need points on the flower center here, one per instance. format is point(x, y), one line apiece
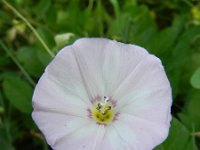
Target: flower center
point(102, 111)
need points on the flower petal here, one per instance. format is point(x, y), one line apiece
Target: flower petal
point(55, 126)
point(88, 138)
point(153, 106)
point(139, 133)
point(114, 141)
point(50, 97)
point(150, 96)
point(134, 133)
point(147, 75)
point(64, 70)
point(105, 64)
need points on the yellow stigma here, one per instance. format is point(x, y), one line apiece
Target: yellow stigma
point(102, 112)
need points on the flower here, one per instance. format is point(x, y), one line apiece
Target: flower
point(101, 94)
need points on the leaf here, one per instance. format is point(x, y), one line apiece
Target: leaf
point(186, 120)
point(134, 25)
point(1, 106)
point(51, 16)
point(6, 135)
point(42, 7)
point(43, 56)
point(195, 79)
point(191, 115)
point(164, 41)
point(174, 78)
point(75, 20)
point(19, 93)
point(47, 37)
point(4, 143)
point(179, 138)
point(29, 59)
point(4, 60)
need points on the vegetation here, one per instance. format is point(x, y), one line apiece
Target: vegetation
point(33, 31)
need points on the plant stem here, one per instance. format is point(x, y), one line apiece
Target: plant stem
point(196, 133)
point(31, 27)
point(8, 51)
point(188, 3)
point(90, 6)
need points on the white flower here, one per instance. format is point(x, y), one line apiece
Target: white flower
point(99, 94)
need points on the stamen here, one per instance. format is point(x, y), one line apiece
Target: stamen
point(99, 106)
point(102, 111)
point(106, 99)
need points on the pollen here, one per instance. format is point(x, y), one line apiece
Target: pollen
point(102, 112)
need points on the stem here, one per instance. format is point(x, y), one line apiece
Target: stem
point(31, 27)
point(8, 51)
point(196, 133)
point(188, 3)
point(7, 124)
point(117, 16)
point(90, 6)
point(100, 20)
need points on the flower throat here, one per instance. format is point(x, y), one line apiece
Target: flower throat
point(102, 112)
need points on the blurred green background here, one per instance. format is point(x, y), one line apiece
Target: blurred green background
point(169, 29)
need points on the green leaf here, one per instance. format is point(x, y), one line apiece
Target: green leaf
point(186, 120)
point(4, 60)
point(75, 20)
point(44, 57)
point(8, 132)
point(191, 115)
point(134, 25)
point(51, 16)
point(29, 59)
point(47, 37)
point(182, 51)
point(42, 7)
point(179, 138)
point(4, 142)
point(195, 80)
point(174, 77)
point(1, 107)
point(19, 93)
point(164, 41)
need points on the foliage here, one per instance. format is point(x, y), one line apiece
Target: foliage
point(169, 29)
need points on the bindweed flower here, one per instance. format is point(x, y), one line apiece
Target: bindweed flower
point(99, 94)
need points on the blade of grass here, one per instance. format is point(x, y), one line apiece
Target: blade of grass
point(31, 27)
point(9, 52)
point(100, 19)
point(188, 3)
point(90, 6)
point(116, 7)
